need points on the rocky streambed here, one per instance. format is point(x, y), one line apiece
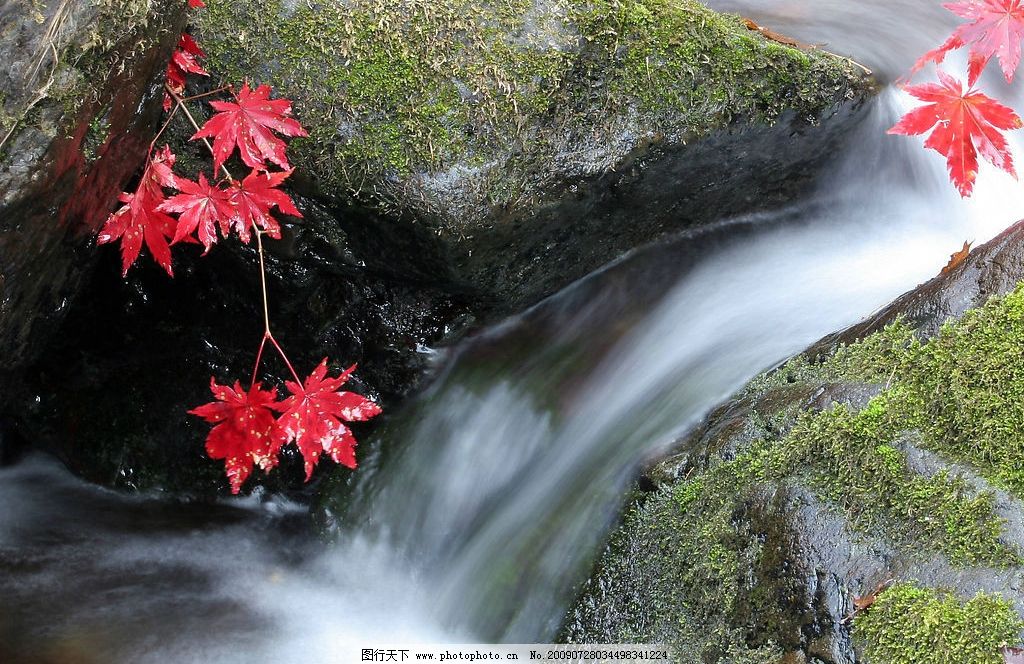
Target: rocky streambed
point(469, 162)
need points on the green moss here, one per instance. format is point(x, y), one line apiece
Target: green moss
point(891, 459)
point(119, 19)
point(961, 392)
point(395, 75)
point(874, 359)
point(95, 137)
point(700, 551)
point(687, 493)
point(912, 625)
point(855, 467)
point(852, 458)
point(965, 391)
point(388, 89)
point(689, 582)
point(698, 564)
point(673, 55)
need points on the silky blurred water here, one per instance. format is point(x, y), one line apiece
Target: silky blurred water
point(485, 499)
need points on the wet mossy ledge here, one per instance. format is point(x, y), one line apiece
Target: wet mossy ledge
point(409, 78)
point(519, 144)
point(895, 457)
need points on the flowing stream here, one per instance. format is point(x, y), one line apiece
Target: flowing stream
point(485, 501)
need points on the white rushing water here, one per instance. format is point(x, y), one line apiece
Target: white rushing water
point(490, 494)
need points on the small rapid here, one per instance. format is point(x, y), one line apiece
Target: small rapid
point(481, 505)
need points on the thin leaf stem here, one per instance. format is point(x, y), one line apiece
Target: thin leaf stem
point(263, 283)
point(256, 367)
point(181, 104)
point(207, 94)
point(160, 133)
point(267, 334)
point(287, 362)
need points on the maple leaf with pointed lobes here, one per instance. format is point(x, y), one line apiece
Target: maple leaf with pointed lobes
point(314, 415)
point(139, 221)
point(957, 258)
point(201, 206)
point(247, 124)
point(246, 432)
point(184, 61)
point(253, 199)
point(996, 28)
point(962, 125)
point(161, 174)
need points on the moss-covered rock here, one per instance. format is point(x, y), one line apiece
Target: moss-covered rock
point(895, 455)
point(912, 625)
point(79, 101)
point(513, 146)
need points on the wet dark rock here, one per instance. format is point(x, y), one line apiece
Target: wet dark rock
point(79, 102)
point(991, 269)
point(11, 444)
point(783, 560)
point(111, 395)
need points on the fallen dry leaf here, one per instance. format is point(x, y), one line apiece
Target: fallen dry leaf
point(957, 258)
point(865, 602)
point(775, 36)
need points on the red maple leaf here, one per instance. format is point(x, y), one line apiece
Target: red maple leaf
point(196, 3)
point(201, 206)
point(184, 61)
point(139, 220)
point(135, 222)
point(160, 171)
point(996, 28)
point(246, 431)
point(965, 123)
point(247, 125)
point(313, 417)
point(253, 199)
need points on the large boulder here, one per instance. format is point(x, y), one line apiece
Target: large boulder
point(79, 103)
point(509, 148)
point(464, 158)
point(110, 397)
point(884, 464)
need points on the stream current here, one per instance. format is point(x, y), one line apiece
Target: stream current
point(485, 500)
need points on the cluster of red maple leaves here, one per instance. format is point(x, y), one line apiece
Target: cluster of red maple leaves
point(963, 122)
point(247, 432)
